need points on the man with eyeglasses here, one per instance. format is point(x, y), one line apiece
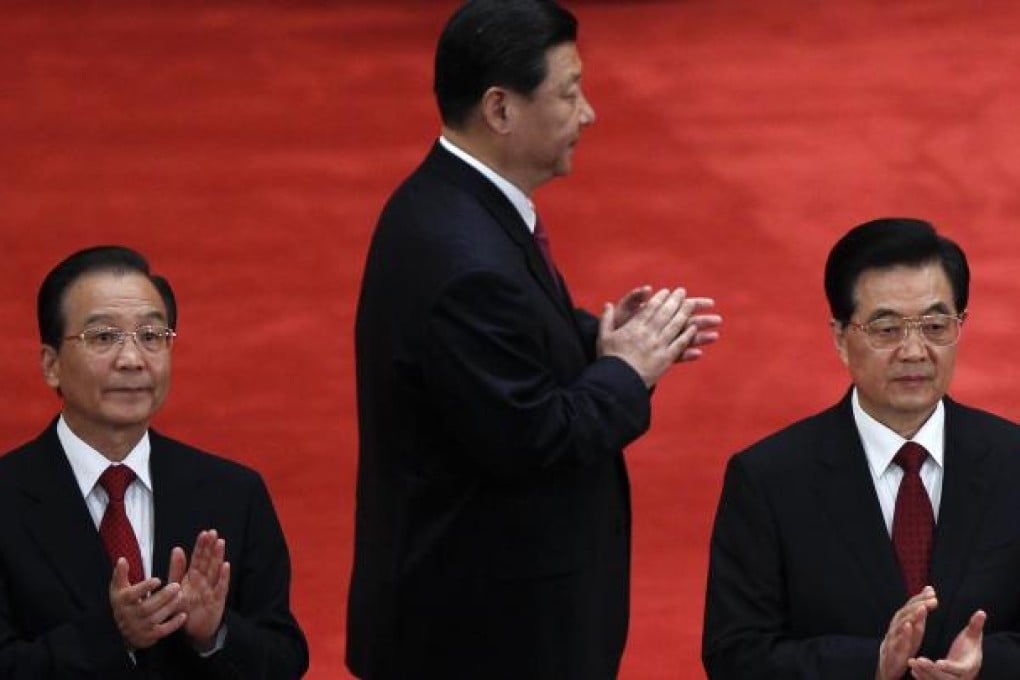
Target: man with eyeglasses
point(95, 580)
point(879, 538)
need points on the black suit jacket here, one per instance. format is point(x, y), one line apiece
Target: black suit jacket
point(55, 615)
point(492, 536)
point(803, 580)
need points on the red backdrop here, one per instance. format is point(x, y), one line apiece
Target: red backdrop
point(247, 148)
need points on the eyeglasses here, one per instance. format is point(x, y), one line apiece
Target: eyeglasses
point(889, 332)
point(152, 339)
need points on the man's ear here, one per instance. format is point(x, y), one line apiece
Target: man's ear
point(839, 330)
point(50, 363)
point(496, 110)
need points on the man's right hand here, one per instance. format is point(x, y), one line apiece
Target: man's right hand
point(663, 330)
point(144, 612)
point(903, 638)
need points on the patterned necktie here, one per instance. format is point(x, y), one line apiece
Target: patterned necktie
point(542, 239)
point(913, 521)
point(115, 529)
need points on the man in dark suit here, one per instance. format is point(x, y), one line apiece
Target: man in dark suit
point(493, 517)
point(94, 580)
point(880, 537)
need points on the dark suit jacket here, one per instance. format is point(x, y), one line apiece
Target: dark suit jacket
point(803, 580)
point(55, 616)
point(492, 536)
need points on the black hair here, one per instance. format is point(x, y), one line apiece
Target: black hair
point(885, 243)
point(114, 259)
point(496, 43)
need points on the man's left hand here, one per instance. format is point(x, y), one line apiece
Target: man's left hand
point(204, 584)
point(963, 662)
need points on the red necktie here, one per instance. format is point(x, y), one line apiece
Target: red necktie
point(913, 521)
point(115, 529)
point(542, 239)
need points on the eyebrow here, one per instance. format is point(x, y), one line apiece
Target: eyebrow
point(883, 312)
point(154, 315)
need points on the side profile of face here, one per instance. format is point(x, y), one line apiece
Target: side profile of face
point(109, 397)
point(546, 125)
point(899, 387)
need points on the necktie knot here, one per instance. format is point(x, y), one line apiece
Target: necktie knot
point(911, 457)
point(115, 480)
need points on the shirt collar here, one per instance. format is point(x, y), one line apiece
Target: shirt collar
point(88, 464)
point(517, 198)
point(881, 443)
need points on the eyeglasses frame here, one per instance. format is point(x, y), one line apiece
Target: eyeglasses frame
point(122, 336)
point(912, 323)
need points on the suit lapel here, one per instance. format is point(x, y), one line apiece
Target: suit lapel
point(505, 215)
point(965, 492)
point(58, 521)
point(846, 491)
point(174, 501)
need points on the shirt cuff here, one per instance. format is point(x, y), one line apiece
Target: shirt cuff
point(221, 639)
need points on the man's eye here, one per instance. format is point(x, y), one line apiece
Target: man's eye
point(886, 329)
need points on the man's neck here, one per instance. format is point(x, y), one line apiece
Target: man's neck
point(482, 148)
point(113, 443)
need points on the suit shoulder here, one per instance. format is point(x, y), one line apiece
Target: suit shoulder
point(16, 458)
point(203, 462)
point(973, 421)
point(792, 444)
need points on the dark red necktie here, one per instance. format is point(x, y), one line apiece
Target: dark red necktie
point(115, 529)
point(542, 239)
point(913, 521)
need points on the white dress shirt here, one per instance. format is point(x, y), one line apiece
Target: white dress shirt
point(88, 464)
point(880, 447)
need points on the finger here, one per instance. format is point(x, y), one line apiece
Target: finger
point(653, 305)
point(672, 317)
point(702, 303)
point(606, 321)
point(950, 669)
point(169, 626)
point(222, 584)
point(690, 354)
point(706, 338)
point(219, 552)
point(681, 343)
point(671, 322)
point(925, 595)
point(119, 579)
point(136, 593)
point(161, 604)
point(635, 298)
point(976, 625)
point(214, 568)
point(924, 669)
point(202, 552)
point(674, 311)
point(178, 565)
point(909, 640)
point(705, 321)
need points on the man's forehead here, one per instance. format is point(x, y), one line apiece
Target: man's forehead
point(564, 61)
point(100, 292)
point(919, 287)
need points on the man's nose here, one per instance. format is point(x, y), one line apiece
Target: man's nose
point(128, 351)
point(913, 345)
